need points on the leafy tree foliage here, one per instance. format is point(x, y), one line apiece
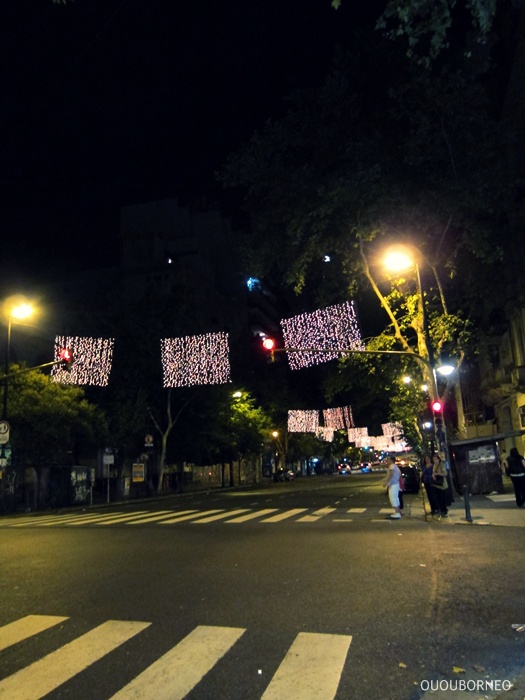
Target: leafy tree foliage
point(382, 153)
point(426, 25)
point(51, 424)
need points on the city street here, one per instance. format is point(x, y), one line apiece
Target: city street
point(293, 591)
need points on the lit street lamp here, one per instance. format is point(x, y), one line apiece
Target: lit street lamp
point(398, 259)
point(15, 313)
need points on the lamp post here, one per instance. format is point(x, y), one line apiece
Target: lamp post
point(14, 312)
point(17, 313)
point(401, 258)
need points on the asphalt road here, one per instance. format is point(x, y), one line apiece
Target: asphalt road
point(319, 595)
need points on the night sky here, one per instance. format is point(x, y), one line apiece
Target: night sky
point(110, 102)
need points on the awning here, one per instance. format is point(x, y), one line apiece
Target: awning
point(488, 438)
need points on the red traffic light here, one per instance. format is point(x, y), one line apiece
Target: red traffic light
point(268, 343)
point(66, 357)
point(437, 406)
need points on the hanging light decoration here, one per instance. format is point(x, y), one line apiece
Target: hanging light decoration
point(326, 434)
point(195, 359)
point(392, 429)
point(338, 418)
point(332, 328)
point(303, 421)
point(90, 360)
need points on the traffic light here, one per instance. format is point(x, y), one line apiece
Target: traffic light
point(66, 359)
point(437, 406)
point(269, 345)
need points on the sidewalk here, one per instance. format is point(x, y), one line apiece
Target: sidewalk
point(487, 509)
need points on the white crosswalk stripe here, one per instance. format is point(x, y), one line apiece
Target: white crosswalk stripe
point(316, 516)
point(26, 627)
point(233, 516)
point(179, 671)
point(43, 676)
point(311, 668)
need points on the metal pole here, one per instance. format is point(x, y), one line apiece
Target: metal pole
point(6, 379)
point(466, 497)
point(439, 421)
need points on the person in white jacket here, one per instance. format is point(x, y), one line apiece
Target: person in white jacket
point(392, 483)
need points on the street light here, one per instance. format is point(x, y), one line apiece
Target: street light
point(398, 259)
point(17, 312)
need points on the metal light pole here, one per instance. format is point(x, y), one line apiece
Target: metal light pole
point(6, 380)
point(400, 259)
point(18, 312)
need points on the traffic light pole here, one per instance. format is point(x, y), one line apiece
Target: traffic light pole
point(351, 351)
point(30, 369)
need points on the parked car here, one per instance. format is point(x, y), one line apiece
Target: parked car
point(411, 476)
point(285, 475)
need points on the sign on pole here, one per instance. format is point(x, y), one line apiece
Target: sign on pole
point(4, 432)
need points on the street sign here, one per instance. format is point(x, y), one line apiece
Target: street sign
point(109, 459)
point(138, 473)
point(148, 441)
point(4, 432)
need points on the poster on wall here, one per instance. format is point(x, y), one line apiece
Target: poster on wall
point(138, 473)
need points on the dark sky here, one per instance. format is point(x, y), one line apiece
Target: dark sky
point(107, 102)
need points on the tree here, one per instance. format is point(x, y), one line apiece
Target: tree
point(426, 25)
point(339, 176)
point(51, 424)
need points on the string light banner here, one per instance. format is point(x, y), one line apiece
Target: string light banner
point(195, 359)
point(338, 418)
point(392, 429)
point(355, 434)
point(303, 421)
point(91, 364)
point(332, 328)
point(326, 434)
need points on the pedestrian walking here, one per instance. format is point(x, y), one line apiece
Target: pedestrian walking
point(392, 483)
point(516, 470)
point(439, 481)
point(428, 483)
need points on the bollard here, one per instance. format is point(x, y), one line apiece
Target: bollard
point(466, 498)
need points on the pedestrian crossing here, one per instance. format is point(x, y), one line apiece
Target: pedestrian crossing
point(311, 668)
point(234, 516)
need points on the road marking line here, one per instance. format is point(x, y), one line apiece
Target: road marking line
point(356, 510)
point(176, 673)
point(311, 669)
point(316, 515)
point(73, 520)
point(93, 518)
point(283, 516)
point(342, 520)
point(160, 515)
point(41, 520)
point(45, 675)
point(387, 510)
point(26, 627)
point(252, 516)
point(122, 516)
point(195, 514)
point(16, 522)
point(220, 516)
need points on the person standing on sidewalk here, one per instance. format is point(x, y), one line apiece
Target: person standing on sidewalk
point(392, 483)
point(516, 470)
point(439, 483)
point(426, 475)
